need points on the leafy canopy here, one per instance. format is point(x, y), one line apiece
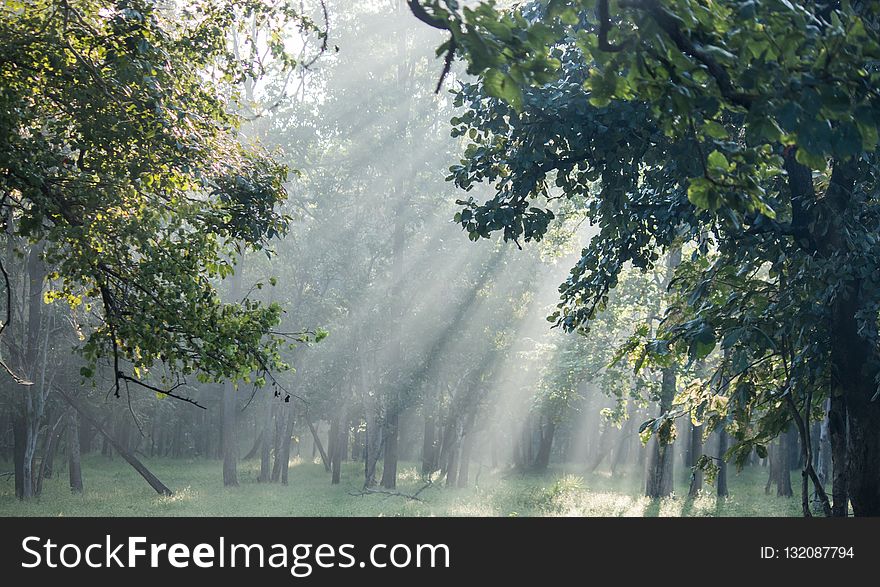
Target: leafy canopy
point(120, 157)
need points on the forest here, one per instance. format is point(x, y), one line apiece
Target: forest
point(439, 258)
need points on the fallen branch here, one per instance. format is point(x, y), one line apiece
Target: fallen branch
point(409, 496)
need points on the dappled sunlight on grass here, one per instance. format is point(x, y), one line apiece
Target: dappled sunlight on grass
point(112, 488)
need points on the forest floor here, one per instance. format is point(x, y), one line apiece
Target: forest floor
point(112, 488)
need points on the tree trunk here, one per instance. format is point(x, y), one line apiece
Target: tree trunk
point(429, 449)
point(823, 461)
point(392, 435)
point(464, 459)
point(265, 445)
point(722, 464)
point(339, 445)
point(837, 425)
point(229, 436)
point(74, 467)
point(30, 399)
point(48, 464)
point(285, 445)
point(601, 447)
point(545, 446)
point(863, 455)
point(771, 470)
point(695, 451)
point(783, 466)
point(659, 483)
point(22, 473)
point(372, 446)
point(53, 435)
point(452, 465)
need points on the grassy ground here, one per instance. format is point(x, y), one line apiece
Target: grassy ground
point(114, 489)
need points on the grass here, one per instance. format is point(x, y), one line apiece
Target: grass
point(112, 488)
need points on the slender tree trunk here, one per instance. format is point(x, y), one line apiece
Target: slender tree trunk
point(53, 435)
point(660, 467)
point(695, 452)
point(545, 446)
point(771, 472)
point(429, 448)
point(660, 471)
point(783, 466)
point(265, 444)
point(48, 463)
point(721, 479)
point(74, 467)
point(23, 489)
point(285, 445)
point(229, 436)
point(465, 459)
point(339, 445)
point(452, 465)
point(392, 435)
point(823, 462)
point(601, 448)
point(30, 404)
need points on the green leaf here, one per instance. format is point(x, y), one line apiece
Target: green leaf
point(714, 130)
point(718, 162)
point(502, 86)
point(701, 193)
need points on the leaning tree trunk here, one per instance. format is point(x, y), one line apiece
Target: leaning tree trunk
point(74, 467)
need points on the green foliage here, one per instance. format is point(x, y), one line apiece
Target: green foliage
point(754, 145)
point(120, 155)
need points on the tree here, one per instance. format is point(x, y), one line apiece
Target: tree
point(761, 136)
point(124, 183)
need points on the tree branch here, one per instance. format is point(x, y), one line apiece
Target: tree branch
point(669, 25)
point(170, 393)
point(438, 23)
point(604, 27)
point(411, 497)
